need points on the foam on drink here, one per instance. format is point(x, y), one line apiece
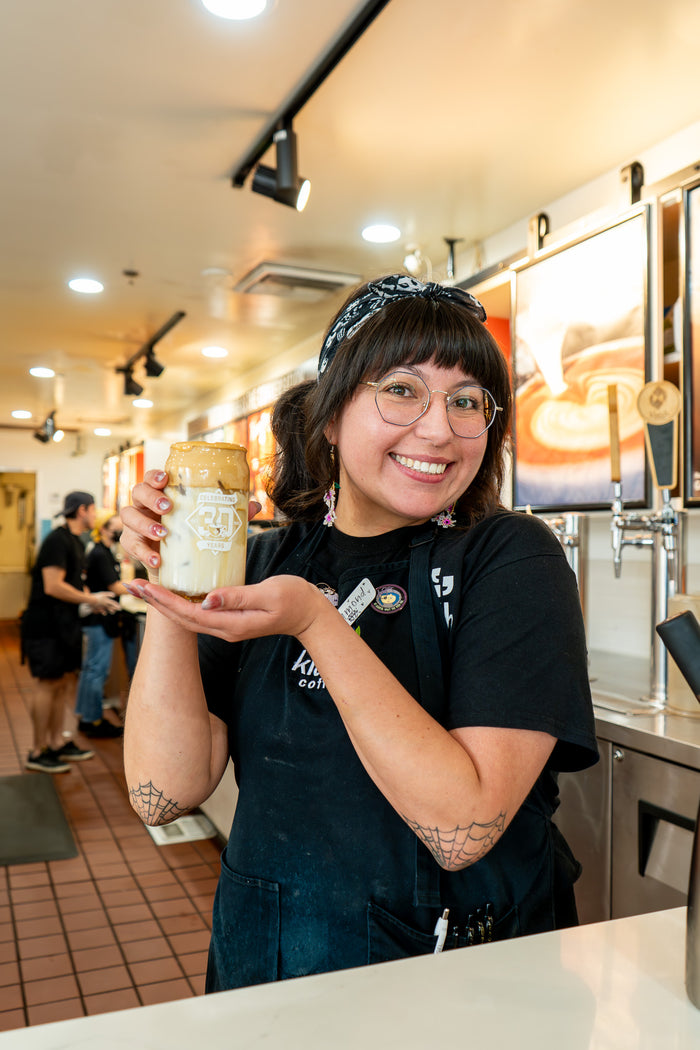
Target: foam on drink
point(208, 485)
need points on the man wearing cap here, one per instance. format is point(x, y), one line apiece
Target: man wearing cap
point(51, 633)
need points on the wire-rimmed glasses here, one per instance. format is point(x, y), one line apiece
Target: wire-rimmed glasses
point(402, 397)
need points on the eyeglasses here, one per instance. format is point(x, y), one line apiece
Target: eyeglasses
point(403, 397)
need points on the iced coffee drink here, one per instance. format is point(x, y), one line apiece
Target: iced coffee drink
point(206, 543)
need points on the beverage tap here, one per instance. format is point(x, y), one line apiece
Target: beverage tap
point(662, 530)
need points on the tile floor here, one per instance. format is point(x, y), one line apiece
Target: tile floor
point(126, 922)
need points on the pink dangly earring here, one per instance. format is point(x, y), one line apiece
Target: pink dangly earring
point(329, 500)
point(444, 518)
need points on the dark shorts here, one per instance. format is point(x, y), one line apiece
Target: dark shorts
point(52, 657)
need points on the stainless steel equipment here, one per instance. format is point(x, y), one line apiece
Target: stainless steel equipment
point(572, 532)
point(662, 530)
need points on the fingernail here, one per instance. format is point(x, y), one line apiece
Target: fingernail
point(158, 530)
point(161, 475)
point(154, 560)
point(136, 589)
point(212, 601)
point(163, 504)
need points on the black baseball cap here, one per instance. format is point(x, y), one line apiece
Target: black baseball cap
point(74, 500)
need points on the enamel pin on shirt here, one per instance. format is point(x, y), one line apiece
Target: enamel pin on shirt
point(390, 598)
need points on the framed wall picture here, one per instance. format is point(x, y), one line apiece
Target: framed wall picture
point(581, 324)
point(691, 345)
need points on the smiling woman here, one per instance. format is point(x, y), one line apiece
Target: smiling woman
point(397, 681)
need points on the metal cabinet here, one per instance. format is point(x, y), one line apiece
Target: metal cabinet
point(630, 821)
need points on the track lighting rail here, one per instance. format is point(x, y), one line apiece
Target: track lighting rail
point(283, 119)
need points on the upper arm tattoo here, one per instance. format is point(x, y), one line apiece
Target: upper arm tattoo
point(152, 805)
point(461, 846)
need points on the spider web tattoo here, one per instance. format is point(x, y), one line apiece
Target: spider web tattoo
point(152, 806)
point(462, 845)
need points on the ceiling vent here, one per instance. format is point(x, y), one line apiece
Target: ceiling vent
point(294, 282)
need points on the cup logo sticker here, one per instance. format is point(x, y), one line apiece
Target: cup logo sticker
point(214, 521)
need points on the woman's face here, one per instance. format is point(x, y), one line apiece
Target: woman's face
point(391, 476)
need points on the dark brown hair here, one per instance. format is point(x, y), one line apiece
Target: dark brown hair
point(408, 331)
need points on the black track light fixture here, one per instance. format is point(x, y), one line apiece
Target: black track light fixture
point(131, 387)
point(153, 368)
point(47, 430)
point(283, 183)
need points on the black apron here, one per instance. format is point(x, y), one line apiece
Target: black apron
point(276, 917)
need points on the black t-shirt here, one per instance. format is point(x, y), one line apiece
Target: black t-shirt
point(311, 826)
point(102, 570)
point(47, 617)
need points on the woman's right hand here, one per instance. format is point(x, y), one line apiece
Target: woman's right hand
point(141, 520)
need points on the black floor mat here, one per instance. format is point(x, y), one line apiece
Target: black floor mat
point(33, 826)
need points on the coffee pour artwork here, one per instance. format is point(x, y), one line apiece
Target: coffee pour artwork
point(579, 328)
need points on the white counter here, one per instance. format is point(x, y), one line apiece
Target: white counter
point(614, 985)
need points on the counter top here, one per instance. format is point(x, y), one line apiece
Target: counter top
point(618, 684)
point(609, 985)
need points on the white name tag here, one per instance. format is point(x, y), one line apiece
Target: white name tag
point(356, 603)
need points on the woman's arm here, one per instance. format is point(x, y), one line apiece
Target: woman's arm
point(56, 586)
point(175, 752)
point(457, 790)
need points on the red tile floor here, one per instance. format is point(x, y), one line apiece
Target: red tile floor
point(126, 922)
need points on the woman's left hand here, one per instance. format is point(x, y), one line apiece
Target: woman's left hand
point(278, 605)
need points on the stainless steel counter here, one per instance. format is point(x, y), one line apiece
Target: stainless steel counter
point(618, 685)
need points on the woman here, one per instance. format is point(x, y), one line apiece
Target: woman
point(103, 574)
point(398, 681)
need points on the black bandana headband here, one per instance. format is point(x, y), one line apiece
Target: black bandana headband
point(377, 295)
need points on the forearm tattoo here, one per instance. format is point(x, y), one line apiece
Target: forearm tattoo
point(461, 846)
point(152, 805)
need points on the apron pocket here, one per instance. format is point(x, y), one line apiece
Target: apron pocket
point(244, 948)
point(389, 939)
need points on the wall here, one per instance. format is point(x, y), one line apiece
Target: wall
point(57, 472)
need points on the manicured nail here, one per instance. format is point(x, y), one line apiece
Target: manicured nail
point(154, 560)
point(161, 475)
point(212, 601)
point(136, 589)
point(158, 530)
point(163, 504)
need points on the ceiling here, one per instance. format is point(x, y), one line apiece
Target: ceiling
point(123, 121)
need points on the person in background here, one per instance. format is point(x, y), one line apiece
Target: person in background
point(102, 574)
point(52, 637)
point(399, 680)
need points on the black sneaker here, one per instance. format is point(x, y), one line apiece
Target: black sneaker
point(102, 729)
point(46, 762)
point(70, 752)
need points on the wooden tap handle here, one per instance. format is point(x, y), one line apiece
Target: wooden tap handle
point(614, 433)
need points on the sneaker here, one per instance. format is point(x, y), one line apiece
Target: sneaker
point(46, 762)
point(102, 729)
point(70, 752)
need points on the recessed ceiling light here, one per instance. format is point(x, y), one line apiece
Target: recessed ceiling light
point(239, 9)
point(102, 432)
point(142, 402)
point(86, 285)
point(381, 233)
point(42, 373)
point(214, 351)
point(21, 413)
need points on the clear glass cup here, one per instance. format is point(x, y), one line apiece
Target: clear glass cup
point(208, 484)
